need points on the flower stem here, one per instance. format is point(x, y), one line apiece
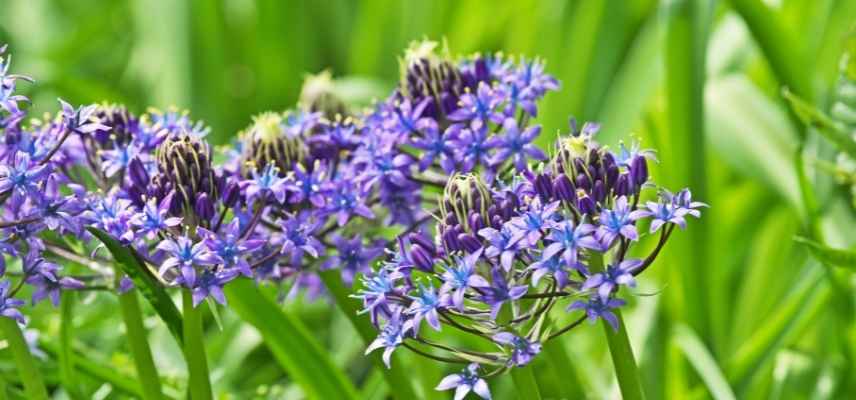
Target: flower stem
point(620, 350)
point(199, 384)
point(34, 386)
point(136, 334)
point(525, 383)
point(66, 363)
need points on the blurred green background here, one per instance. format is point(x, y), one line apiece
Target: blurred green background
point(733, 308)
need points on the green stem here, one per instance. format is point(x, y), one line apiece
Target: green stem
point(66, 363)
point(199, 384)
point(34, 386)
point(136, 334)
point(620, 350)
point(525, 383)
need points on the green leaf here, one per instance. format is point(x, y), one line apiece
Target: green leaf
point(34, 385)
point(66, 362)
point(704, 363)
point(291, 343)
point(145, 281)
point(812, 116)
point(839, 257)
point(525, 383)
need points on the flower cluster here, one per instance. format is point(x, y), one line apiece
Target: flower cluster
point(505, 254)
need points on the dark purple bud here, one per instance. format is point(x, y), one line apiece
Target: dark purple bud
point(579, 165)
point(598, 192)
point(564, 189)
point(204, 208)
point(594, 157)
point(496, 222)
point(138, 173)
point(231, 193)
point(420, 257)
point(622, 185)
point(450, 239)
point(583, 182)
point(424, 241)
point(476, 222)
point(639, 170)
point(611, 174)
point(544, 187)
point(469, 242)
point(586, 205)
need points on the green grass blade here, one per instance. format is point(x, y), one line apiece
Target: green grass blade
point(199, 379)
point(704, 363)
point(34, 385)
point(812, 116)
point(145, 281)
point(291, 343)
point(841, 258)
point(138, 342)
point(525, 383)
point(395, 377)
point(66, 362)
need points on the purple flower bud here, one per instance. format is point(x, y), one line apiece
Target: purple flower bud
point(639, 170)
point(421, 258)
point(424, 241)
point(543, 187)
point(586, 205)
point(564, 189)
point(450, 239)
point(579, 165)
point(203, 208)
point(469, 242)
point(231, 193)
point(476, 222)
point(583, 182)
point(622, 185)
point(598, 192)
point(138, 173)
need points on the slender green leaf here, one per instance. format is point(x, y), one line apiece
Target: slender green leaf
point(812, 116)
point(704, 363)
point(66, 362)
point(138, 342)
point(144, 280)
point(199, 379)
point(525, 383)
point(839, 257)
point(291, 343)
point(34, 385)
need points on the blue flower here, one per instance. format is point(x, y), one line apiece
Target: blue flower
point(345, 201)
point(50, 288)
point(522, 350)
point(81, 120)
point(299, 122)
point(464, 382)
point(498, 292)
point(230, 248)
point(615, 275)
point(459, 277)
point(375, 289)
point(502, 245)
point(619, 221)
point(480, 107)
point(118, 159)
point(9, 305)
point(264, 183)
point(389, 338)
point(308, 185)
point(436, 144)
point(568, 239)
point(517, 145)
point(551, 265)
point(153, 218)
point(597, 307)
point(531, 225)
point(23, 176)
point(298, 239)
point(425, 305)
point(405, 117)
point(211, 283)
point(186, 256)
point(473, 146)
point(352, 257)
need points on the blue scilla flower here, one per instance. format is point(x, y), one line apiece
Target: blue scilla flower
point(376, 287)
point(186, 256)
point(465, 382)
point(112, 215)
point(389, 338)
point(82, 119)
point(231, 247)
point(153, 219)
point(522, 349)
point(501, 245)
point(473, 145)
point(23, 176)
point(308, 185)
point(298, 122)
point(553, 265)
point(346, 200)
point(614, 276)
point(298, 239)
point(265, 183)
point(529, 227)
point(460, 276)
point(404, 117)
point(352, 256)
point(480, 107)
point(597, 308)
point(569, 239)
point(517, 145)
point(9, 305)
point(619, 221)
point(425, 305)
point(499, 292)
point(436, 145)
point(117, 159)
point(210, 284)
